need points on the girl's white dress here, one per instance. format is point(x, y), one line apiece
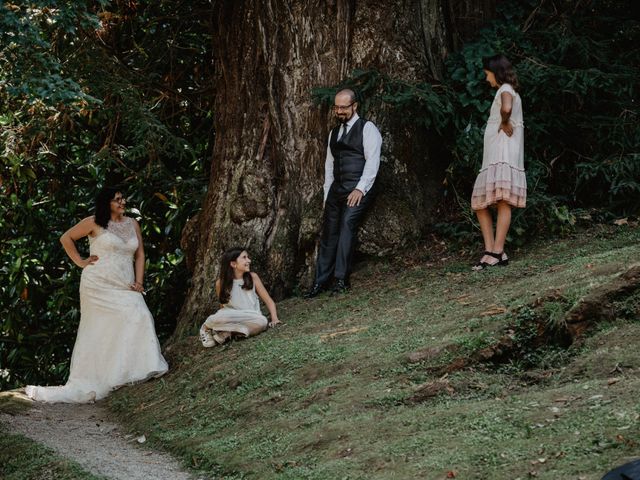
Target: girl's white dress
point(116, 342)
point(240, 315)
point(502, 176)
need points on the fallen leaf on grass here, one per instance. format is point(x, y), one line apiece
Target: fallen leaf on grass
point(617, 368)
point(555, 268)
point(621, 221)
point(567, 399)
point(626, 441)
point(493, 310)
point(612, 381)
point(144, 406)
point(345, 453)
point(342, 332)
point(432, 389)
point(461, 299)
point(279, 467)
point(452, 474)
point(424, 354)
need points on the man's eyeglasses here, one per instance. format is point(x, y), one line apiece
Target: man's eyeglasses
point(339, 108)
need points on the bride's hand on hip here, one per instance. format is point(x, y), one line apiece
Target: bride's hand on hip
point(137, 287)
point(90, 260)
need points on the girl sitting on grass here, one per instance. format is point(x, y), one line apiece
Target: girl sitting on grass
point(238, 290)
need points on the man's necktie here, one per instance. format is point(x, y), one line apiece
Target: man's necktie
point(344, 132)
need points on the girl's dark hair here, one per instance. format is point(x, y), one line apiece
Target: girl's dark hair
point(103, 205)
point(501, 67)
point(227, 275)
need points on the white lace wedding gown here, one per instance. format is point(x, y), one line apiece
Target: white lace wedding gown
point(116, 342)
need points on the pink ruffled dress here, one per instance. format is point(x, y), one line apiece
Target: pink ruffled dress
point(502, 176)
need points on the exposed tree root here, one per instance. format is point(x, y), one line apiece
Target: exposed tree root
point(532, 330)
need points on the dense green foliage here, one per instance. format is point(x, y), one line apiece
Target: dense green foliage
point(88, 98)
point(579, 69)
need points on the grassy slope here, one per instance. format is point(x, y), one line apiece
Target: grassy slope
point(300, 403)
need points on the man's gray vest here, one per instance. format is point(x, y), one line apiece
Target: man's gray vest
point(348, 155)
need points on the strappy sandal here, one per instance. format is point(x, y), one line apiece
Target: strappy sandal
point(498, 256)
point(481, 265)
point(502, 261)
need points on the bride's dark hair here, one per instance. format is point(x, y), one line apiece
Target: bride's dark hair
point(103, 205)
point(227, 275)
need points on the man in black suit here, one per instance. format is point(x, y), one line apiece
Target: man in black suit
point(353, 158)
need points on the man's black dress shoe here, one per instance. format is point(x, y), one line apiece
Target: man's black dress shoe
point(313, 291)
point(339, 287)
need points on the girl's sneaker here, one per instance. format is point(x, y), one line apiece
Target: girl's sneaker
point(206, 337)
point(221, 338)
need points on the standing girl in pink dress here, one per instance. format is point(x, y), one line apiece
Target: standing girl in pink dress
point(501, 182)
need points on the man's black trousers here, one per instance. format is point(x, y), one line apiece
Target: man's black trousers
point(339, 229)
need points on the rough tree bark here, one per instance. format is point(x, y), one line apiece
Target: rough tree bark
point(265, 189)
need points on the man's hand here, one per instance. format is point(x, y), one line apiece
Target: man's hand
point(354, 198)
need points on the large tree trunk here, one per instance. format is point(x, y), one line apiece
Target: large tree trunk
point(265, 189)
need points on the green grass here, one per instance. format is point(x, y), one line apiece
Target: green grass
point(24, 459)
point(328, 396)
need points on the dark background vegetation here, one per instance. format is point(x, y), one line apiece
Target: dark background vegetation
point(97, 93)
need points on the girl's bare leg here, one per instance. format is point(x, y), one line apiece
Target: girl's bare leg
point(502, 226)
point(486, 227)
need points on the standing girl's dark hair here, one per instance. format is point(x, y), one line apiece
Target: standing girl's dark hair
point(227, 275)
point(103, 205)
point(501, 67)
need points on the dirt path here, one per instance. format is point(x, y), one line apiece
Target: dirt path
point(84, 434)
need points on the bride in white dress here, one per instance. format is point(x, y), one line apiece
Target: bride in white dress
point(116, 342)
